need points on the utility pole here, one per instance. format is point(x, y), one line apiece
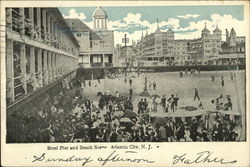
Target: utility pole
point(125, 40)
point(125, 44)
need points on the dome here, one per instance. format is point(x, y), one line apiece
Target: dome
point(170, 31)
point(217, 29)
point(100, 13)
point(205, 30)
point(158, 31)
point(232, 31)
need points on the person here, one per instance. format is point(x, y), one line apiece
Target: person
point(222, 82)
point(154, 105)
point(110, 107)
point(130, 82)
point(163, 102)
point(150, 85)
point(113, 136)
point(117, 94)
point(196, 94)
point(84, 84)
point(140, 106)
point(162, 132)
point(130, 93)
point(154, 85)
point(172, 102)
point(231, 75)
point(176, 98)
point(88, 104)
point(212, 78)
point(145, 105)
point(89, 83)
point(200, 105)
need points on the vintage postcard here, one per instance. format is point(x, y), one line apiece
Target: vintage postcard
point(125, 83)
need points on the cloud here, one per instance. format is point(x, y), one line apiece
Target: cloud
point(75, 15)
point(132, 18)
point(187, 16)
point(132, 24)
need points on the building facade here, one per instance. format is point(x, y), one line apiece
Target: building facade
point(96, 45)
point(40, 49)
point(232, 50)
point(161, 48)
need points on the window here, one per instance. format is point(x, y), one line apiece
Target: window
point(78, 34)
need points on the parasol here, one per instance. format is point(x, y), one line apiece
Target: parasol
point(124, 119)
point(155, 95)
point(130, 114)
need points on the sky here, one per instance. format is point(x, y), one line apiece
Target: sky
point(187, 22)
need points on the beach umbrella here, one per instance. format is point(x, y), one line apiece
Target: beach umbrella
point(155, 95)
point(119, 113)
point(189, 108)
point(145, 94)
point(130, 114)
point(124, 119)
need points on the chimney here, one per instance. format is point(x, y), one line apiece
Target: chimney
point(227, 37)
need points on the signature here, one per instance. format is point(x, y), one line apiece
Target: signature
point(201, 157)
point(113, 157)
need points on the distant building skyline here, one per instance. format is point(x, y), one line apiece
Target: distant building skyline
point(186, 22)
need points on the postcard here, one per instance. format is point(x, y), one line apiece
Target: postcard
point(125, 83)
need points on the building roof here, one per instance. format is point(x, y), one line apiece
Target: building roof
point(169, 31)
point(232, 31)
point(64, 25)
point(77, 25)
point(158, 31)
point(205, 29)
point(217, 29)
point(100, 13)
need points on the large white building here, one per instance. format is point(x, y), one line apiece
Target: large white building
point(97, 44)
point(40, 50)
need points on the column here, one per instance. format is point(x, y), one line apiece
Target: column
point(94, 22)
point(39, 22)
point(49, 66)
point(32, 67)
point(45, 56)
point(48, 26)
point(23, 67)
point(44, 23)
point(55, 65)
point(97, 23)
point(103, 23)
point(9, 18)
point(9, 71)
point(56, 33)
point(31, 14)
point(40, 74)
point(103, 62)
point(52, 66)
point(22, 17)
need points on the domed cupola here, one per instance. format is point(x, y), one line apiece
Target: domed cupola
point(100, 18)
point(205, 32)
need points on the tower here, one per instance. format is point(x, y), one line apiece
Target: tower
point(217, 32)
point(232, 38)
point(100, 19)
point(205, 32)
point(170, 34)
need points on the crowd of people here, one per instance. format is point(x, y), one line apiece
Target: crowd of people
point(66, 115)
